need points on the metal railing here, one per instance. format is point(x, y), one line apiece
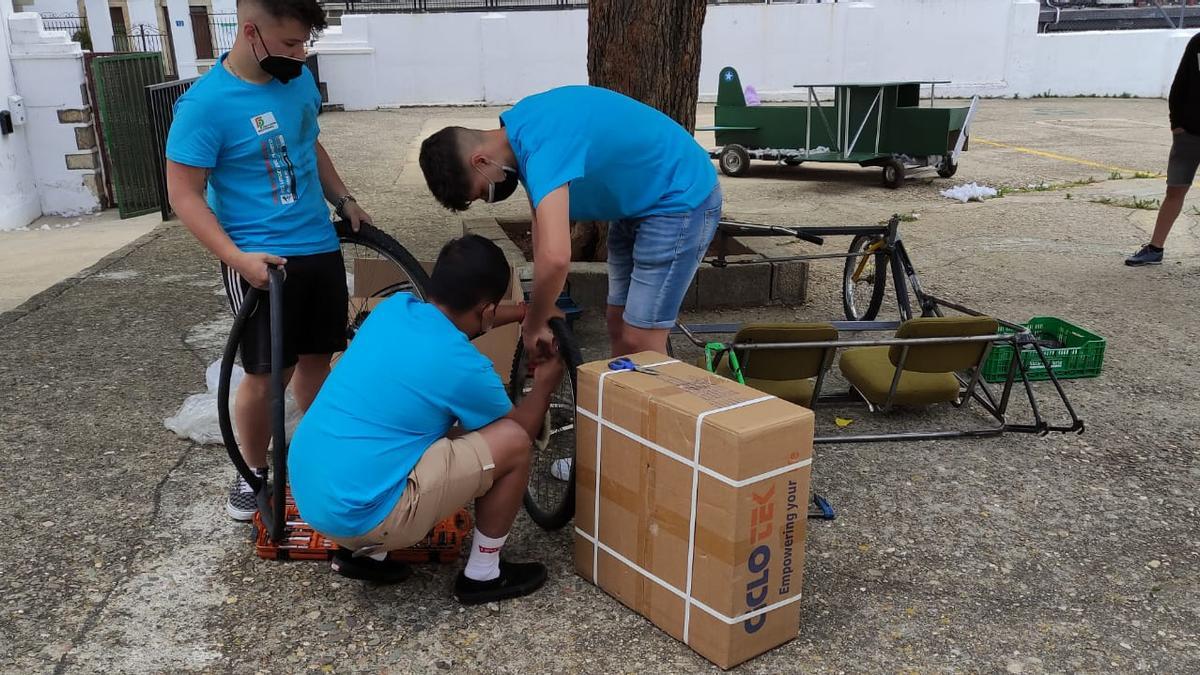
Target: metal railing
point(160, 104)
point(71, 23)
point(223, 29)
point(143, 38)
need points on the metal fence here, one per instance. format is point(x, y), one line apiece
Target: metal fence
point(143, 38)
point(160, 104)
point(71, 23)
point(119, 83)
point(223, 29)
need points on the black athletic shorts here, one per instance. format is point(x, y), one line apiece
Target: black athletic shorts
point(315, 302)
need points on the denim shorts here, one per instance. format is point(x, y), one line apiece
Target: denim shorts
point(652, 260)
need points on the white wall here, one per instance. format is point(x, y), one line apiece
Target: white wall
point(1140, 62)
point(987, 47)
point(775, 47)
point(19, 204)
point(48, 71)
point(100, 26)
point(54, 7)
point(468, 57)
point(142, 13)
point(183, 39)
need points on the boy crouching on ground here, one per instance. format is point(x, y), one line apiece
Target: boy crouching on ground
point(375, 464)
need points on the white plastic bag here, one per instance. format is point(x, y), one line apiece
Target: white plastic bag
point(969, 192)
point(197, 417)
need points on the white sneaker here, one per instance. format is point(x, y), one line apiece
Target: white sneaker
point(561, 469)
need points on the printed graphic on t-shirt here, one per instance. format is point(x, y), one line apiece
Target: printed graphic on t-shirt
point(264, 123)
point(279, 169)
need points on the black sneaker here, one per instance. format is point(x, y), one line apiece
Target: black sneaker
point(515, 580)
point(242, 504)
point(1145, 256)
point(368, 569)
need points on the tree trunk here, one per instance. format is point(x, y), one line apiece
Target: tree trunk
point(648, 50)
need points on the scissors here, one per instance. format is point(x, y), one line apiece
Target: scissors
point(624, 363)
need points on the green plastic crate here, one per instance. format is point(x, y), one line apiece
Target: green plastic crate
point(1082, 353)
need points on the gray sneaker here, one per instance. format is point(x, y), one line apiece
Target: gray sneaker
point(1145, 256)
point(242, 504)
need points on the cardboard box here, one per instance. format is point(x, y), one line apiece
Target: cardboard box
point(705, 539)
point(498, 344)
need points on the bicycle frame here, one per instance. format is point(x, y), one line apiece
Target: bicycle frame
point(904, 274)
point(996, 404)
point(907, 287)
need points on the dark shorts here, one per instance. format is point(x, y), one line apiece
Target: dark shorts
point(1184, 159)
point(315, 302)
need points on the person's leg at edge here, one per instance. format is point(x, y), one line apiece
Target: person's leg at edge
point(1181, 171)
point(1168, 213)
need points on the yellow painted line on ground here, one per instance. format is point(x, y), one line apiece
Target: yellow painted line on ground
point(1055, 155)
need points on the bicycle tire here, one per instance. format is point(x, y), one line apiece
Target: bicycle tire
point(551, 509)
point(371, 238)
point(879, 283)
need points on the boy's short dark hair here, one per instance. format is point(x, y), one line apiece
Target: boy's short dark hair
point(307, 12)
point(441, 162)
point(469, 270)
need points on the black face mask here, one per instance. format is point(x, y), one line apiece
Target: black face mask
point(484, 326)
point(282, 68)
point(498, 192)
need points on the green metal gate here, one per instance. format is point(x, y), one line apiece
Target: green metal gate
point(119, 83)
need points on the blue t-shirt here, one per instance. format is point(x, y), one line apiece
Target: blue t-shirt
point(622, 158)
point(407, 376)
point(259, 143)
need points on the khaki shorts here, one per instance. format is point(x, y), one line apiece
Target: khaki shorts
point(450, 474)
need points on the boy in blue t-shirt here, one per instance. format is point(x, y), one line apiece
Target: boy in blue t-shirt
point(248, 177)
point(586, 153)
point(375, 464)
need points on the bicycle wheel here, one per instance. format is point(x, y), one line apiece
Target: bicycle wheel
point(383, 268)
point(862, 291)
point(550, 499)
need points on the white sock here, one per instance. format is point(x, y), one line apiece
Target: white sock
point(378, 556)
point(484, 563)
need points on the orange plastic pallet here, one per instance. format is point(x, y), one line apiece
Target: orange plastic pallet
point(301, 542)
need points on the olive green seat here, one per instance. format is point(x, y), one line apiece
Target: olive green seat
point(790, 374)
point(926, 371)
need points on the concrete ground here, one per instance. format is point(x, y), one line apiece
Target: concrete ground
point(1013, 554)
point(51, 249)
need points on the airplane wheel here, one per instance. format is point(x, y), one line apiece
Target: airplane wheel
point(893, 173)
point(948, 168)
point(735, 161)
